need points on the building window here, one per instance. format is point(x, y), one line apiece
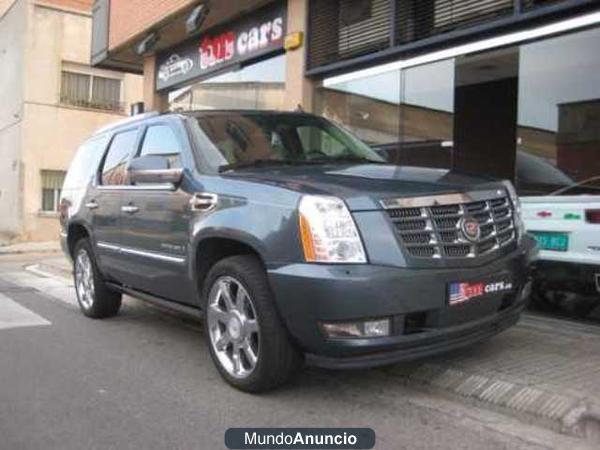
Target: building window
point(52, 182)
point(91, 91)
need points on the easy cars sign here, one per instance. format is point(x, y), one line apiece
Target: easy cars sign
point(247, 39)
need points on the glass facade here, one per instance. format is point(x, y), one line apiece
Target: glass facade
point(257, 86)
point(530, 113)
point(559, 114)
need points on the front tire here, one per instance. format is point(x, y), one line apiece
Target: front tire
point(95, 298)
point(246, 339)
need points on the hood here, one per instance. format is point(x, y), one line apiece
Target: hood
point(362, 186)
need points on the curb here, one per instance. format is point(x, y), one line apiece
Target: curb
point(10, 250)
point(564, 413)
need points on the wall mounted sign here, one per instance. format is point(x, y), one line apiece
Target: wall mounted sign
point(251, 37)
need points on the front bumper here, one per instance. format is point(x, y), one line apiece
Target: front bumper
point(414, 299)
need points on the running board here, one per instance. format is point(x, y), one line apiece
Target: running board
point(158, 301)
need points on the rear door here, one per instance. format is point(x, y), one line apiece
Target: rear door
point(106, 202)
point(156, 218)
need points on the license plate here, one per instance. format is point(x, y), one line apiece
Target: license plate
point(463, 291)
point(549, 240)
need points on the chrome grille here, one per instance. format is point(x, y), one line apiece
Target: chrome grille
point(434, 231)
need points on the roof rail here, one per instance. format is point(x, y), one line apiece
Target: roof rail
point(129, 120)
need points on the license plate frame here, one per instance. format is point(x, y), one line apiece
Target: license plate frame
point(555, 241)
point(463, 292)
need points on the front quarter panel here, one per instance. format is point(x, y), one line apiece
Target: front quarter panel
point(262, 217)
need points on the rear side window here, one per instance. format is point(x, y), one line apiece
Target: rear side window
point(161, 140)
point(114, 170)
point(85, 163)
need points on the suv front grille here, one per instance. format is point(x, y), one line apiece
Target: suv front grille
point(435, 231)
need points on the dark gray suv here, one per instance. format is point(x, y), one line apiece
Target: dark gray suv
point(294, 239)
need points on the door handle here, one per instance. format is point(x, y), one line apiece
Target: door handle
point(92, 205)
point(130, 209)
point(203, 201)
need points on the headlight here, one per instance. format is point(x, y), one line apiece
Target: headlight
point(514, 198)
point(328, 232)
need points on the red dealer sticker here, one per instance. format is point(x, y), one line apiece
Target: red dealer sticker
point(464, 291)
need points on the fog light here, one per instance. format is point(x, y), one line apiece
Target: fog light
point(369, 328)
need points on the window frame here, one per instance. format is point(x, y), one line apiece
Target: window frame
point(90, 98)
point(56, 193)
point(135, 150)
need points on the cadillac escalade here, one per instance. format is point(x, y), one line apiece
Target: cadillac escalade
point(293, 239)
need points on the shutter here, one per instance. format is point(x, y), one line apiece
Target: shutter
point(75, 88)
point(419, 19)
point(343, 29)
point(53, 179)
point(106, 93)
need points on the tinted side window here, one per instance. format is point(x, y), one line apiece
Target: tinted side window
point(85, 163)
point(161, 140)
point(113, 172)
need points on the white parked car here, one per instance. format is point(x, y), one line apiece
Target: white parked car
point(564, 216)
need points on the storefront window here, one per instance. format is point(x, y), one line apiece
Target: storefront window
point(369, 107)
point(256, 86)
point(405, 114)
point(559, 115)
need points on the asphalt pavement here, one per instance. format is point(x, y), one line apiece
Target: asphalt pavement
point(144, 380)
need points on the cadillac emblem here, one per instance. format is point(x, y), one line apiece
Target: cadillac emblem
point(470, 229)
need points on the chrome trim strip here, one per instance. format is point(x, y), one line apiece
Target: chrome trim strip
point(133, 251)
point(442, 199)
point(107, 246)
point(152, 255)
point(147, 187)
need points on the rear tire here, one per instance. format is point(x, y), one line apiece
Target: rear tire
point(246, 339)
point(95, 298)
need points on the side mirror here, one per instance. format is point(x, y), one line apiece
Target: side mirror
point(153, 169)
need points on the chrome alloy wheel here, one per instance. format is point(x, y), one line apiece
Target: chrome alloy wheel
point(84, 279)
point(233, 327)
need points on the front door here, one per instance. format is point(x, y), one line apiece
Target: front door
point(155, 223)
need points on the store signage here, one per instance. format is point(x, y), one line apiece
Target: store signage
point(249, 38)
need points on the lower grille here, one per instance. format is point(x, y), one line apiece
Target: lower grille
point(437, 230)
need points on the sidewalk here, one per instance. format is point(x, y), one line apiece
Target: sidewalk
point(30, 247)
point(544, 370)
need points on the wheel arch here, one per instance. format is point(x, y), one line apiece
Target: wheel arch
point(75, 232)
point(210, 248)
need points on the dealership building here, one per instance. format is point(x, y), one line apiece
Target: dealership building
point(475, 85)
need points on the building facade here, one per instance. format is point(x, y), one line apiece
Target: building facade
point(481, 87)
point(52, 100)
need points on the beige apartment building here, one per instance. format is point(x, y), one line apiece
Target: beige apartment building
point(51, 100)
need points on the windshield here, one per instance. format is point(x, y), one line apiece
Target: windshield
point(248, 138)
